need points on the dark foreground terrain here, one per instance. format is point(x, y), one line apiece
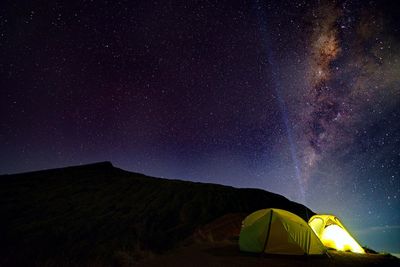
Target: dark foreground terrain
point(99, 215)
point(228, 254)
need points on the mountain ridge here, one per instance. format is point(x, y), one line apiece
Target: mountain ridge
point(97, 210)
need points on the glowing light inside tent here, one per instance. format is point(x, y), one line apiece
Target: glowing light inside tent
point(335, 237)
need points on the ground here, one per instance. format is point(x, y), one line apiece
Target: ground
point(228, 254)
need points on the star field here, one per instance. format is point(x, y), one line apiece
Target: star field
point(300, 98)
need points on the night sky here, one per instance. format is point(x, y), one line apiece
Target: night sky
point(301, 98)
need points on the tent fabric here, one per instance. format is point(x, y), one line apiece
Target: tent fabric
point(333, 234)
point(277, 231)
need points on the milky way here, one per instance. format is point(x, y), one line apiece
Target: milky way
point(347, 71)
point(323, 101)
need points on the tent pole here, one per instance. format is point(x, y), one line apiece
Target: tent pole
point(269, 230)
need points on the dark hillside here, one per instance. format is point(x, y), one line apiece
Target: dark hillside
point(97, 212)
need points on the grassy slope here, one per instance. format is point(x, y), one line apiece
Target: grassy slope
point(98, 212)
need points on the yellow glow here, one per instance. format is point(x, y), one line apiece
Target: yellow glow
point(336, 237)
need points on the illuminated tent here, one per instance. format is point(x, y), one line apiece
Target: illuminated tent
point(278, 231)
point(333, 234)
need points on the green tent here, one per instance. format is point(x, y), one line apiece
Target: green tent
point(278, 231)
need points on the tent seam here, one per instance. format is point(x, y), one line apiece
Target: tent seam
point(269, 230)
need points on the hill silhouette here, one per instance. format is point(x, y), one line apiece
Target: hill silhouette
point(96, 213)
